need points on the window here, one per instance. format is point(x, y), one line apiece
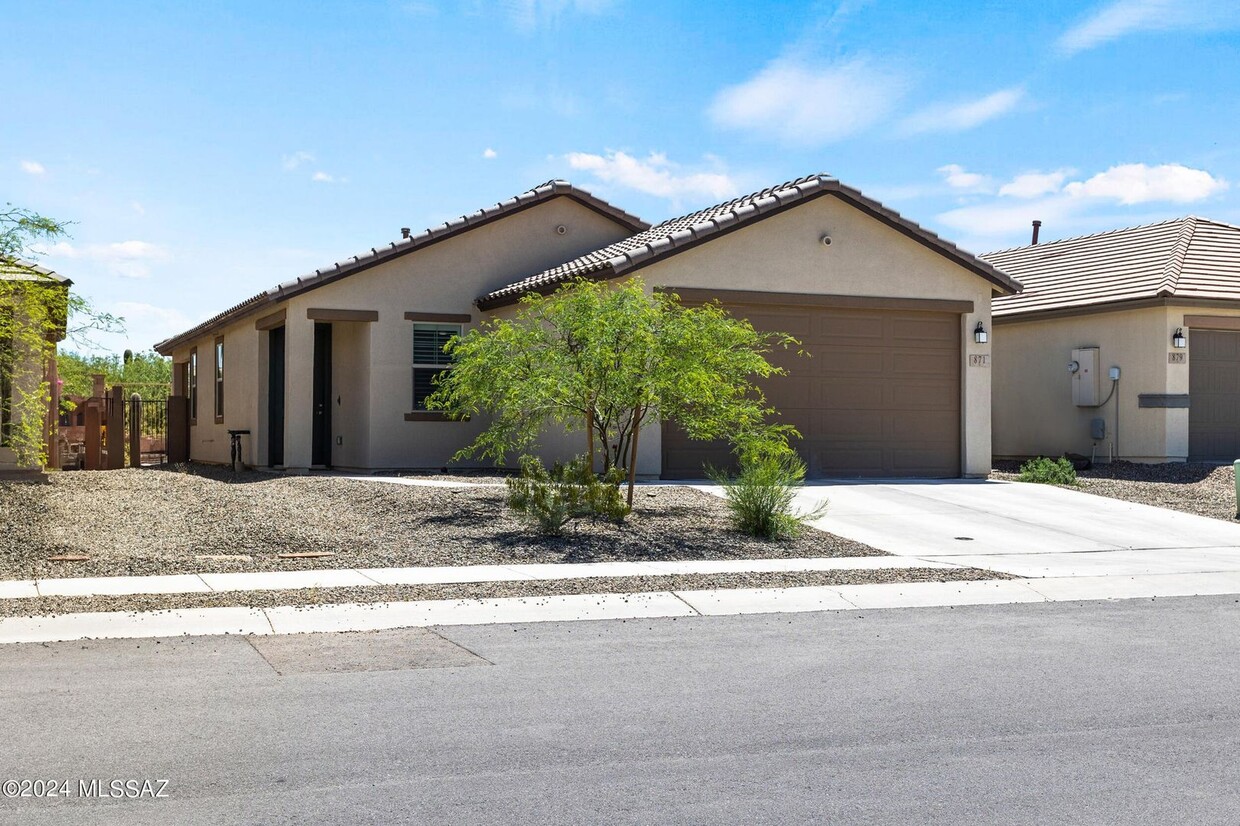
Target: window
point(429, 359)
point(219, 380)
point(191, 385)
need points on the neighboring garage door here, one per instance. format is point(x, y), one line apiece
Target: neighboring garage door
point(879, 394)
point(1214, 395)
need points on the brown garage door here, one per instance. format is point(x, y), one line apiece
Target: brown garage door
point(1214, 395)
point(879, 394)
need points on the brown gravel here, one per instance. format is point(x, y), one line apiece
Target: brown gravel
point(140, 522)
point(44, 606)
point(1202, 489)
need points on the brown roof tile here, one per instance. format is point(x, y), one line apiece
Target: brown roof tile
point(393, 249)
point(678, 234)
point(1186, 257)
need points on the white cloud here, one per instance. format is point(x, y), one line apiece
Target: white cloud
point(958, 117)
point(297, 159)
point(1124, 17)
point(489, 153)
point(1136, 183)
point(1035, 184)
point(801, 103)
point(530, 15)
point(127, 259)
point(33, 168)
point(322, 177)
point(957, 177)
point(148, 322)
point(1045, 196)
point(137, 207)
point(654, 175)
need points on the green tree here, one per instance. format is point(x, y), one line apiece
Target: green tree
point(609, 360)
point(147, 374)
point(36, 311)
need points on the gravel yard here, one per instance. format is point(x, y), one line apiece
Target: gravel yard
point(44, 606)
point(140, 522)
point(1206, 490)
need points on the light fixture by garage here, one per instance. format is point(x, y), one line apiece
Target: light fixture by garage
point(1178, 341)
point(979, 334)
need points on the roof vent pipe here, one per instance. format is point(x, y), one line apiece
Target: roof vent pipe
point(1037, 225)
point(404, 232)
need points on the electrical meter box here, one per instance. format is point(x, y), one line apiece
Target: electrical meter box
point(1086, 381)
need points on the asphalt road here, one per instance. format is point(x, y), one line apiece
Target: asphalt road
point(1061, 713)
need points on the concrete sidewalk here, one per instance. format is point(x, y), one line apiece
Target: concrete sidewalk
point(443, 575)
point(723, 602)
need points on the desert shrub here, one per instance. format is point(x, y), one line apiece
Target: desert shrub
point(1046, 471)
point(550, 499)
point(760, 496)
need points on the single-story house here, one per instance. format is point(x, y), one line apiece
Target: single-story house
point(1123, 344)
point(331, 369)
point(21, 371)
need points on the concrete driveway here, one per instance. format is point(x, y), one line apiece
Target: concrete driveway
point(1024, 529)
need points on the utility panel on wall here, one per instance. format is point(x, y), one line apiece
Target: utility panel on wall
point(1086, 385)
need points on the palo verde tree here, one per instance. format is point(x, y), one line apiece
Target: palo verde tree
point(608, 360)
point(35, 312)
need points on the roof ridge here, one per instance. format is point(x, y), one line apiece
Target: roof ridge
point(1086, 236)
point(1175, 264)
point(556, 187)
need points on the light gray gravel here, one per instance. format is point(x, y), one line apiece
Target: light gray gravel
point(43, 606)
point(140, 522)
point(1201, 489)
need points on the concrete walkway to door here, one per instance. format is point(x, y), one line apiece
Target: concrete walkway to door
point(1023, 529)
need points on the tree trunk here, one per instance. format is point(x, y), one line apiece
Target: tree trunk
point(590, 437)
point(637, 424)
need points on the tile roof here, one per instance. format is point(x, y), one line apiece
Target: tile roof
point(681, 233)
point(1186, 257)
point(393, 249)
point(23, 270)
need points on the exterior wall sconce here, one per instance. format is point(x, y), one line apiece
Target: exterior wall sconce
point(979, 334)
point(1178, 341)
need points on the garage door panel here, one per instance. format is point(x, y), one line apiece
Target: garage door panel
point(926, 328)
point(878, 396)
point(1214, 395)
point(923, 363)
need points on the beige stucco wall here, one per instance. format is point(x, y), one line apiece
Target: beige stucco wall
point(784, 253)
point(372, 361)
point(1033, 409)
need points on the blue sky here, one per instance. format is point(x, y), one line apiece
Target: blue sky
point(207, 151)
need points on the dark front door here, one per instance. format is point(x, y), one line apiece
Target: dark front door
point(1214, 393)
point(321, 452)
point(275, 398)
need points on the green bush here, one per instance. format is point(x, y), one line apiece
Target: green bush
point(550, 499)
point(760, 496)
point(1046, 471)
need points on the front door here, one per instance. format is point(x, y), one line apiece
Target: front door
point(275, 398)
point(321, 450)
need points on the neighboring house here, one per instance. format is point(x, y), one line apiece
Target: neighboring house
point(22, 370)
point(1161, 303)
point(331, 369)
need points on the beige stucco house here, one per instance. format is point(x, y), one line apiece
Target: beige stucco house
point(22, 369)
point(330, 370)
point(1157, 307)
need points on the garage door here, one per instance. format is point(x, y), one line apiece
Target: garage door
point(1214, 395)
point(879, 394)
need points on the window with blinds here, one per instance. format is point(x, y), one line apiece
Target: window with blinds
point(429, 358)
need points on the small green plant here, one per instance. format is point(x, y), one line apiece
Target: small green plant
point(1044, 471)
point(550, 499)
point(760, 496)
